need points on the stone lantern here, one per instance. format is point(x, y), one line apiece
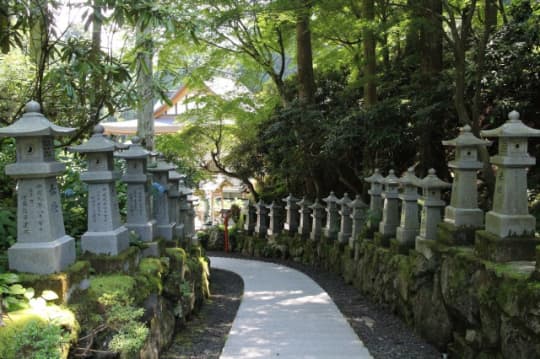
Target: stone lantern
point(509, 218)
point(332, 216)
point(390, 213)
point(160, 178)
point(275, 218)
point(346, 222)
point(317, 216)
point(376, 202)
point(291, 219)
point(139, 215)
point(42, 245)
point(251, 218)
point(304, 226)
point(409, 225)
point(463, 214)
point(262, 219)
point(432, 206)
point(189, 225)
point(358, 217)
point(105, 235)
point(183, 204)
point(174, 200)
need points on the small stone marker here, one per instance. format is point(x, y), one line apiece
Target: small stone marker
point(160, 176)
point(463, 210)
point(390, 214)
point(139, 215)
point(317, 216)
point(105, 234)
point(376, 202)
point(251, 219)
point(409, 225)
point(332, 216)
point(304, 226)
point(42, 245)
point(291, 218)
point(275, 221)
point(346, 221)
point(262, 219)
point(509, 226)
point(358, 217)
point(432, 206)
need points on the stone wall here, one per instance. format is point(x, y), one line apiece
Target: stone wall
point(464, 305)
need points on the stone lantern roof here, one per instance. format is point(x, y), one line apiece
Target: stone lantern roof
point(331, 198)
point(290, 198)
point(97, 143)
point(175, 176)
point(33, 123)
point(376, 177)
point(162, 166)
point(135, 150)
point(316, 205)
point(357, 203)
point(391, 179)
point(512, 128)
point(409, 178)
point(431, 181)
point(466, 139)
point(304, 202)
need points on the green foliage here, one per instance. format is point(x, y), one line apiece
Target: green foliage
point(12, 293)
point(74, 195)
point(123, 320)
point(39, 340)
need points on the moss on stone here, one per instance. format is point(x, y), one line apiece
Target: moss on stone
point(127, 261)
point(60, 283)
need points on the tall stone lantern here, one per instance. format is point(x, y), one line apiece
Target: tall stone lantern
point(174, 201)
point(162, 212)
point(42, 245)
point(332, 216)
point(462, 217)
point(390, 214)
point(275, 218)
point(432, 206)
point(376, 201)
point(139, 215)
point(304, 226)
point(261, 227)
point(409, 225)
point(105, 234)
point(358, 218)
point(291, 218)
point(317, 215)
point(346, 221)
point(509, 223)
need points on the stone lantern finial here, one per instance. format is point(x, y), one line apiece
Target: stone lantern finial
point(32, 106)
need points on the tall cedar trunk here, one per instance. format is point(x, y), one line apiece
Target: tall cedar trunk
point(39, 43)
point(370, 67)
point(490, 22)
point(96, 48)
point(431, 153)
point(145, 123)
point(304, 55)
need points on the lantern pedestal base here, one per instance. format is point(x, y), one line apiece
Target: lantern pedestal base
point(166, 231)
point(489, 246)
point(110, 242)
point(146, 231)
point(42, 257)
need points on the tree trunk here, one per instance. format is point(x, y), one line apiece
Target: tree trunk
point(39, 43)
point(304, 55)
point(95, 54)
point(370, 67)
point(145, 123)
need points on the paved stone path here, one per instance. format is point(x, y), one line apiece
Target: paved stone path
point(285, 314)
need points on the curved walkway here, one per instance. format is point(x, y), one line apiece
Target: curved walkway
point(285, 314)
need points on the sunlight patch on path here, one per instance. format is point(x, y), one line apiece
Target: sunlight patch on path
point(285, 314)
